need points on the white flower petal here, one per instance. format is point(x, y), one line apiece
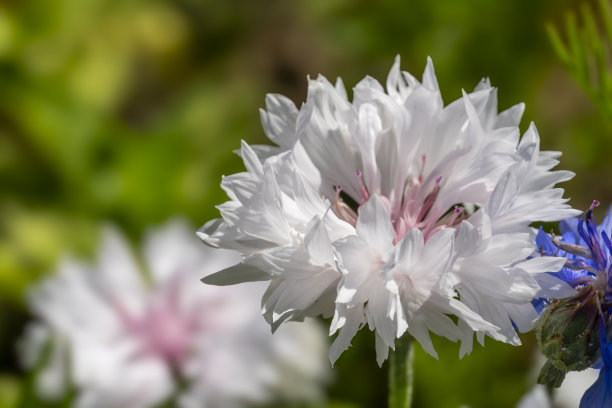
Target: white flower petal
point(374, 226)
point(355, 319)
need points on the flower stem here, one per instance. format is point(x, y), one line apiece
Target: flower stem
point(401, 373)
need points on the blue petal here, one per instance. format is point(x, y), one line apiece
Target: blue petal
point(569, 275)
point(604, 345)
point(606, 224)
point(539, 304)
point(591, 238)
point(605, 238)
point(584, 233)
point(598, 255)
point(569, 225)
point(599, 395)
point(545, 244)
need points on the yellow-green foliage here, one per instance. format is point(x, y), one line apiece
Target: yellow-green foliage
point(585, 52)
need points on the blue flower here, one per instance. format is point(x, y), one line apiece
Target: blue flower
point(600, 393)
point(586, 246)
point(588, 249)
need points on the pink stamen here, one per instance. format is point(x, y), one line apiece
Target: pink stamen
point(431, 198)
point(433, 231)
point(401, 229)
point(414, 209)
point(455, 216)
point(338, 190)
point(594, 204)
point(342, 210)
point(364, 192)
point(423, 160)
point(386, 203)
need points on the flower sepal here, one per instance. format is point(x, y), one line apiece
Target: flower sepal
point(568, 335)
point(551, 376)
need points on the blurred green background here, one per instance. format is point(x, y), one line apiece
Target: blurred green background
point(129, 110)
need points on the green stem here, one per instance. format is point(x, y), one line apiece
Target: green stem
point(401, 373)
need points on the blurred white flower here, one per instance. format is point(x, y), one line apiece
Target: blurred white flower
point(568, 395)
point(126, 337)
point(537, 397)
point(393, 210)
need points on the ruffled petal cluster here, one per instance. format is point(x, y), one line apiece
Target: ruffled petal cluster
point(125, 337)
point(393, 210)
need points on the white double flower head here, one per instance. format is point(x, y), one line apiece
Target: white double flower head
point(393, 210)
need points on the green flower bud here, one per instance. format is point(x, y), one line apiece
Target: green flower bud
point(568, 336)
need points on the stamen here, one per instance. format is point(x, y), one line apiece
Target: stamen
point(578, 250)
point(591, 237)
point(454, 216)
point(364, 192)
point(579, 265)
point(430, 233)
point(543, 252)
point(342, 210)
point(431, 198)
point(423, 161)
point(582, 280)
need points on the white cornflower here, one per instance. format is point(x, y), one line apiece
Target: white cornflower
point(125, 337)
point(393, 210)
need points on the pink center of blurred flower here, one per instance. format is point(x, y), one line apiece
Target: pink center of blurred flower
point(164, 329)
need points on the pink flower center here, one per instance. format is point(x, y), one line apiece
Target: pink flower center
point(164, 329)
point(410, 212)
